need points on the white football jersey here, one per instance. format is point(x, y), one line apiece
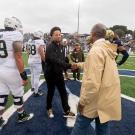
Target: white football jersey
point(7, 38)
point(34, 56)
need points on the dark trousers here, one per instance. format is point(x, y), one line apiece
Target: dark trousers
point(57, 81)
point(82, 125)
point(76, 74)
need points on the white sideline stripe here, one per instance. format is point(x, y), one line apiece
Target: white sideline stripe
point(127, 76)
point(8, 113)
point(127, 69)
point(128, 98)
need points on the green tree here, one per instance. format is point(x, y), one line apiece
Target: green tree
point(134, 34)
point(129, 32)
point(120, 32)
point(123, 28)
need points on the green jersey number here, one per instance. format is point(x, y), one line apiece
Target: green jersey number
point(3, 49)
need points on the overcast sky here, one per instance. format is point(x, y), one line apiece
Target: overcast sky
point(44, 14)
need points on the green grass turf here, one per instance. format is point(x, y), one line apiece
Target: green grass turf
point(129, 64)
point(128, 86)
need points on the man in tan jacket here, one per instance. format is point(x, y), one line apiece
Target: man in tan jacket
point(100, 90)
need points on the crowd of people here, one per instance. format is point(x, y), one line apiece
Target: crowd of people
point(100, 94)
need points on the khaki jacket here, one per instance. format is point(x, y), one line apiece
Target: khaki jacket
point(100, 90)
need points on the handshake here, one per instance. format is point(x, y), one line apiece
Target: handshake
point(74, 66)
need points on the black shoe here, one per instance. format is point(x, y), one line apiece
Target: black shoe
point(24, 117)
point(2, 123)
point(69, 114)
point(32, 89)
point(38, 94)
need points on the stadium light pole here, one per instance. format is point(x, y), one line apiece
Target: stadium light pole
point(78, 17)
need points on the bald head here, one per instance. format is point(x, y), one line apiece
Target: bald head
point(99, 30)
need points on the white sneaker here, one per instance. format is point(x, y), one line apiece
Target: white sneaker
point(50, 113)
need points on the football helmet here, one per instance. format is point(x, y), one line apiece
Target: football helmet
point(13, 22)
point(17, 24)
point(38, 34)
point(9, 22)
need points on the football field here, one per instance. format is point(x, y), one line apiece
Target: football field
point(42, 125)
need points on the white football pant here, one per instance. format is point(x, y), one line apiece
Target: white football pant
point(10, 81)
point(36, 70)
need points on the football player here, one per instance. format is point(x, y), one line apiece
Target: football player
point(36, 55)
point(12, 74)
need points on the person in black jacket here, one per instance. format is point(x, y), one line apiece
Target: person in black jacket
point(120, 49)
point(54, 67)
point(114, 38)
